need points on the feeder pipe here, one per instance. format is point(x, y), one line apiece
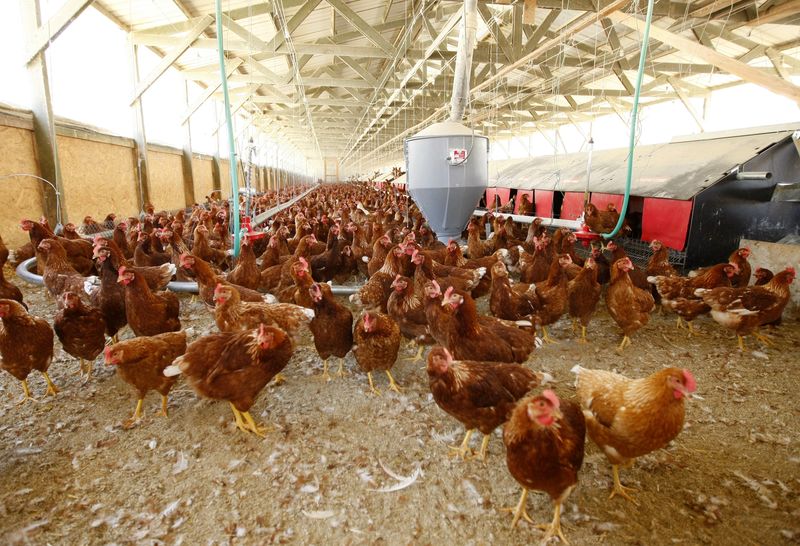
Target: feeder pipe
point(754, 176)
point(634, 118)
point(466, 45)
point(233, 167)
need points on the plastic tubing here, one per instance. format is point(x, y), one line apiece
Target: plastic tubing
point(237, 237)
point(634, 118)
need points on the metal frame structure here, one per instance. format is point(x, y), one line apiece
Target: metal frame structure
point(351, 79)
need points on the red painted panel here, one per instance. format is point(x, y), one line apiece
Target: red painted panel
point(544, 203)
point(601, 200)
point(572, 207)
point(503, 193)
point(666, 220)
point(518, 200)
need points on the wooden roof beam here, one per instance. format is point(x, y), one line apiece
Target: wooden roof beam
point(184, 44)
point(732, 66)
point(54, 26)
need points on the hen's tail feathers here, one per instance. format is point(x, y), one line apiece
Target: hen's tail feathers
point(269, 298)
point(309, 313)
point(171, 267)
point(481, 272)
point(175, 368)
point(652, 280)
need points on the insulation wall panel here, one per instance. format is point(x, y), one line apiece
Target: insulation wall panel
point(225, 178)
point(21, 196)
point(203, 178)
point(98, 178)
point(166, 180)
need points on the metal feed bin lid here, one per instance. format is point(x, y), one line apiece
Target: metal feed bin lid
point(445, 188)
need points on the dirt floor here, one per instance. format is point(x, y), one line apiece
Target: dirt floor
point(69, 473)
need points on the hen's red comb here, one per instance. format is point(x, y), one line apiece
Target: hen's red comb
point(689, 381)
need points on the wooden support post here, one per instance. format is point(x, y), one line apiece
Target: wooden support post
point(44, 132)
point(186, 157)
point(140, 140)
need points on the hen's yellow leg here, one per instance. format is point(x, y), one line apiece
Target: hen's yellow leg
point(679, 323)
point(692, 330)
point(484, 448)
point(519, 511)
point(762, 338)
point(340, 372)
point(392, 383)
point(238, 416)
point(52, 390)
point(325, 375)
point(554, 529)
point(26, 393)
point(80, 368)
point(251, 425)
point(742, 346)
point(546, 336)
point(463, 451)
point(137, 414)
point(417, 357)
point(625, 342)
point(164, 402)
point(89, 368)
point(583, 335)
point(372, 385)
point(620, 489)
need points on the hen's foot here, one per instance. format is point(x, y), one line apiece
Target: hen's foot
point(251, 425)
point(583, 335)
point(546, 336)
point(620, 489)
point(137, 415)
point(392, 383)
point(554, 528)
point(679, 323)
point(340, 372)
point(372, 385)
point(763, 338)
point(417, 357)
point(463, 451)
point(692, 330)
point(625, 342)
point(52, 390)
point(26, 393)
point(325, 375)
point(519, 510)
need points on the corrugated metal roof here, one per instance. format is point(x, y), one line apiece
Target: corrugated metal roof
point(677, 170)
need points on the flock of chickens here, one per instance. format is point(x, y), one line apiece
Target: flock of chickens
point(417, 288)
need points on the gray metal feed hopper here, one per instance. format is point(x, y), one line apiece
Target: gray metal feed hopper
point(447, 170)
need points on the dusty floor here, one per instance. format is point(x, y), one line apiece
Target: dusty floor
point(69, 474)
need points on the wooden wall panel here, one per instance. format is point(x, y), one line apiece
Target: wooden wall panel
point(21, 196)
point(166, 180)
point(98, 178)
point(203, 178)
point(225, 178)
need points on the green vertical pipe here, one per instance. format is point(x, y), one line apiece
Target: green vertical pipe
point(237, 237)
point(634, 117)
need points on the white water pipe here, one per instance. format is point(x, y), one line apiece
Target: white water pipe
point(466, 45)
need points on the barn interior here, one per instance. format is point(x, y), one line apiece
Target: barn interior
point(374, 227)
